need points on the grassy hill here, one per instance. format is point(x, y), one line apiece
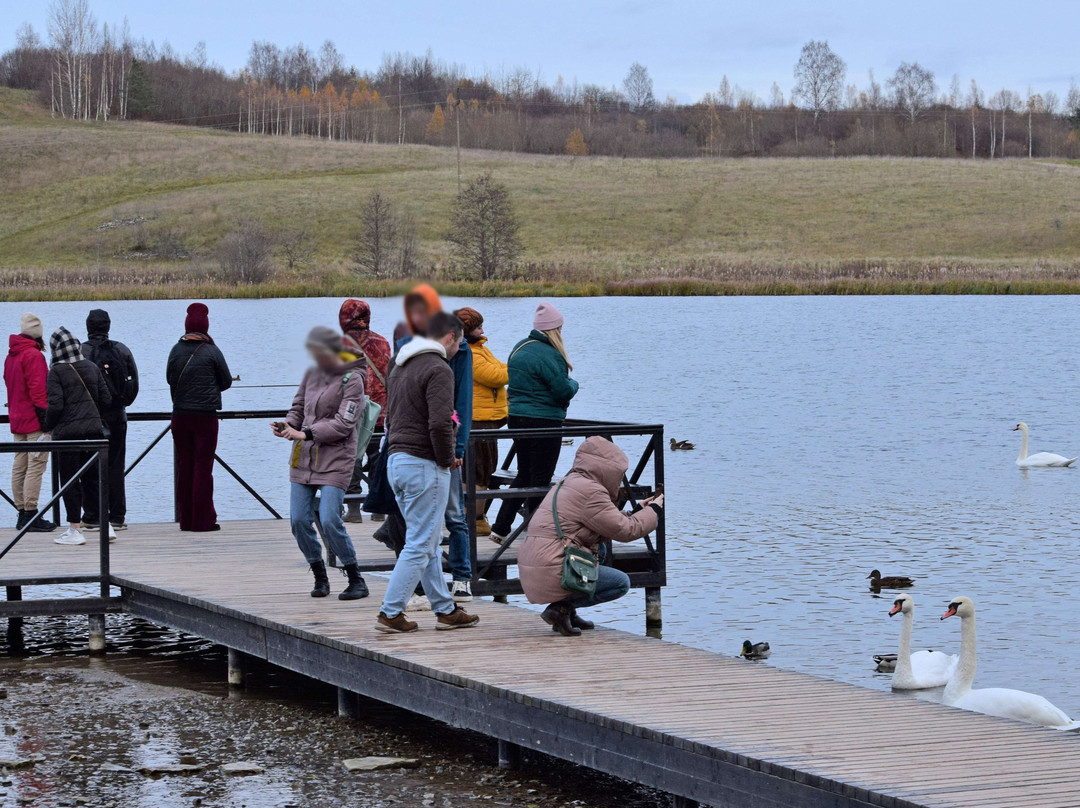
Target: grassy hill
point(589, 225)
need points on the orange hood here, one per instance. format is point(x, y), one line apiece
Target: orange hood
point(427, 293)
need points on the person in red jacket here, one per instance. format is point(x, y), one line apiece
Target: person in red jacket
point(25, 371)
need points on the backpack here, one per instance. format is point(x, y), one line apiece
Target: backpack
point(365, 424)
point(115, 371)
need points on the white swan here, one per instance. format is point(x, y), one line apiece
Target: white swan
point(923, 669)
point(1039, 459)
point(998, 701)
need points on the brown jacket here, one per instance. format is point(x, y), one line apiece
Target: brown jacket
point(420, 402)
point(330, 405)
point(588, 517)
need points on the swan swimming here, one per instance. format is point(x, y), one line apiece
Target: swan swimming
point(998, 701)
point(923, 669)
point(1039, 459)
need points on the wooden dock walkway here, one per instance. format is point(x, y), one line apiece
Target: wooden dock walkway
point(702, 726)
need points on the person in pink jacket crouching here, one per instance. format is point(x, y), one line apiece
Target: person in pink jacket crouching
point(588, 517)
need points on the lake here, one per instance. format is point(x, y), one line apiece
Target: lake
point(834, 435)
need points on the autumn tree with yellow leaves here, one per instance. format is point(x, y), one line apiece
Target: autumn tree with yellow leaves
point(576, 145)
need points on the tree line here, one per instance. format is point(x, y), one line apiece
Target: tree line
point(86, 70)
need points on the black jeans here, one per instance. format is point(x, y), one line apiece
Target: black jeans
point(362, 464)
point(117, 461)
point(84, 492)
point(536, 461)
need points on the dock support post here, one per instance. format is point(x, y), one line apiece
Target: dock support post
point(15, 624)
point(236, 668)
point(348, 704)
point(97, 634)
point(683, 802)
point(509, 756)
point(654, 612)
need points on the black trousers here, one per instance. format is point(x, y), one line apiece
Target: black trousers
point(536, 461)
point(82, 494)
point(117, 462)
point(363, 463)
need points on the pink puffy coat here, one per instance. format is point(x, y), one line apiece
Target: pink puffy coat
point(330, 404)
point(588, 517)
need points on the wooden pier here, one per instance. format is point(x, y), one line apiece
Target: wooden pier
point(702, 726)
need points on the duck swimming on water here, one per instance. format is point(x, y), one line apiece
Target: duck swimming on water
point(682, 446)
point(755, 650)
point(877, 581)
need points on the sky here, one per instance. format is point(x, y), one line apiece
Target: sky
point(687, 45)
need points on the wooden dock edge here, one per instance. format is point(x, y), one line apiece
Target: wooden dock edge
point(690, 771)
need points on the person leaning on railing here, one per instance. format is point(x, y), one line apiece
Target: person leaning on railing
point(580, 511)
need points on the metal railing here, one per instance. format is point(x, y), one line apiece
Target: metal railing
point(16, 607)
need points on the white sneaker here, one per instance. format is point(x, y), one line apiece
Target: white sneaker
point(418, 603)
point(70, 536)
point(112, 533)
point(495, 537)
point(462, 591)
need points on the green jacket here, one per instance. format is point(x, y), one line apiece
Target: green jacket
point(540, 384)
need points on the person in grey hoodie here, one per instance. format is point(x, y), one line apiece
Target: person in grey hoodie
point(421, 434)
point(322, 424)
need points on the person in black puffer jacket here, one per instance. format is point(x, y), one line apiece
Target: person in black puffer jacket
point(197, 375)
point(77, 394)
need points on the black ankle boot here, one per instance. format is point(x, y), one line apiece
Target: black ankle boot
point(322, 583)
point(24, 517)
point(581, 622)
point(357, 588)
point(558, 617)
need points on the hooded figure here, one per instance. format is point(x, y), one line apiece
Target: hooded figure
point(355, 321)
point(588, 517)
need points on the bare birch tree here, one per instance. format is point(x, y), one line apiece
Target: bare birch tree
point(913, 88)
point(819, 77)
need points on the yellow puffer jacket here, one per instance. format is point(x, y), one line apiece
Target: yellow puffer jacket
point(489, 383)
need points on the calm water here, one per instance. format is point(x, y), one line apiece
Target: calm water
point(834, 435)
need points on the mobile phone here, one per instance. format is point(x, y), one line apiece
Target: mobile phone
point(659, 490)
point(279, 426)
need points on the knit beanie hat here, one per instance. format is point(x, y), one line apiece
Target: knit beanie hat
point(471, 319)
point(198, 319)
point(65, 346)
point(321, 338)
point(30, 325)
point(98, 322)
point(547, 318)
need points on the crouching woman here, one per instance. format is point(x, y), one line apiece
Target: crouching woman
point(587, 515)
point(322, 424)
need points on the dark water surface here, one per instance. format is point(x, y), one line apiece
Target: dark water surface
point(834, 435)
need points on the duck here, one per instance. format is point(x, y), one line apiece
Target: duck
point(886, 663)
point(755, 650)
point(682, 446)
point(922, 670)
point(236, 378)
point(889, 581)
point(998, 701)
point(1043, 460)
point(568, 442)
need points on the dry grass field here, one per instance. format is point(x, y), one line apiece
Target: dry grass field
point(589, 225)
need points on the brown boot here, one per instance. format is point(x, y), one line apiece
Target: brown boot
point(483, 528)
point(459, 618)
point(558, 617)
point(395, 625)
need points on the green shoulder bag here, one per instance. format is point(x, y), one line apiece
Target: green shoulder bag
point(580, 567)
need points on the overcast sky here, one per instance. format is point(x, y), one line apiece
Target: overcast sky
point(686, 44)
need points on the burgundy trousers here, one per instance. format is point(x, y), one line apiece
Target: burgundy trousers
point(194, 443)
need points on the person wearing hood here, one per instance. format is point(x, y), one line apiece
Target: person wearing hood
point(322, 423)
point(489, 406)
point(420, 428)
point(421, 304)
point(25, 372)
point(77, 396)
point(121, 375)
point(355, 320)
point(584, 505)
point(540, 391)
point(197, 375)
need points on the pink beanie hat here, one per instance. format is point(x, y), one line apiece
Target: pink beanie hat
point(547, 318)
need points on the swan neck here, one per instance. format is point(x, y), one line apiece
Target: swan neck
point(1023, 444)
point(903, 657)
point(960, 684)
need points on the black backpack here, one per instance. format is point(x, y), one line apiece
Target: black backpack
point(115, 371)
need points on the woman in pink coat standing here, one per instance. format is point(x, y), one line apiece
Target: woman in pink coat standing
point(588, 517)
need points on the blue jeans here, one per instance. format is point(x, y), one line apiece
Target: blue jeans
point(422, 490)
point(611, 584)
point(460, 559)
point(302, 515)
